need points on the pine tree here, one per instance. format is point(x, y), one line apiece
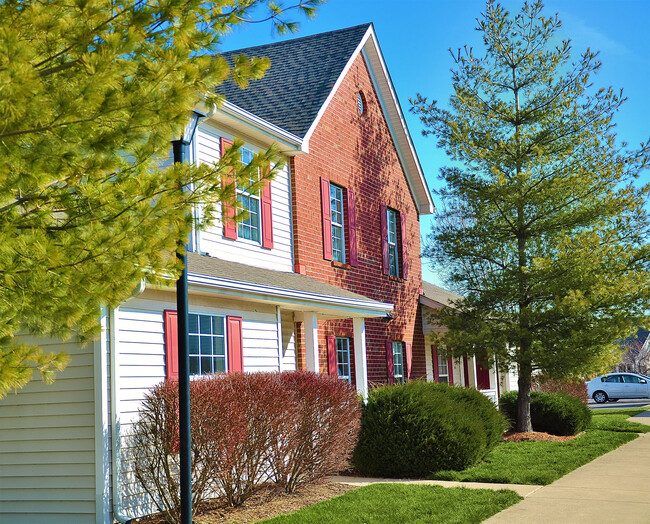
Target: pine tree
point(544, 228)
point(91, 93)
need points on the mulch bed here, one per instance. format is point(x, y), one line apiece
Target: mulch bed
point(534, 436)
point(265, 504)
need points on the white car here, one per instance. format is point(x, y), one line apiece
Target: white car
point(618, 385)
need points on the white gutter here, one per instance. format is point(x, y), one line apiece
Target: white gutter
point(274, 131)
point(373, 308)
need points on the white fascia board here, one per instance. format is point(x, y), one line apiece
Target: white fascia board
point(335, 88)
point(355, 307)
point(271, 130)
point(397, 124)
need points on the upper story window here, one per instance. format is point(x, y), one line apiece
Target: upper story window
point(361, 103)
point(393, 253)
point(207, 348)
point(249, 227)
point(338, 223)
point(343, 358)
point(443, 369)
point(398, 362)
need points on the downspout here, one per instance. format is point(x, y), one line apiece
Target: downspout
point(116, 463)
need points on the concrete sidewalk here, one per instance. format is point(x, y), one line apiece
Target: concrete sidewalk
point(614, 488)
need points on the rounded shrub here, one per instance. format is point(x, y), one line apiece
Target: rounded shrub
point(554, 413)
point(416, 429)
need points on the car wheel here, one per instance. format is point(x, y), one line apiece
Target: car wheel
point(600, 397)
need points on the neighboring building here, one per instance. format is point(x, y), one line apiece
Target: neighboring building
point(323, 275)
point(467, 371)
point(636, 353)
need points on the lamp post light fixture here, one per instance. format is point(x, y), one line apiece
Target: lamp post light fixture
point(181, 150)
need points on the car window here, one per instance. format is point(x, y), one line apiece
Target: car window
point(631, 379)
point(612, 378)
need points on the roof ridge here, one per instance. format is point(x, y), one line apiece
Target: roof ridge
point(299, 39)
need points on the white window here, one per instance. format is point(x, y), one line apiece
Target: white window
point(338, 228)
point(443, 370)
point(207, 344)
point(343, 358)
point(249, 227)
point(398, 363)
point(393, 259)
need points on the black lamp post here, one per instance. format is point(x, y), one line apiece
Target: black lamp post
point(181, 154)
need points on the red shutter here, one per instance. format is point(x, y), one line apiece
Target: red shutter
point(235, 344)
point(450, 366)
point(405, 255)
point(332, 361)
point(351, 213)
point(171, 344)
point(326, 211)
point(267, 216)
point(228, 212)
point(389, 362)
point(408, 350)
point(384, 238)
point(436, 366)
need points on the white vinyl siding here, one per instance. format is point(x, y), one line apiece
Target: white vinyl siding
point(288, 342)
point(211, 241)
point(141, 361)
point(47, 444)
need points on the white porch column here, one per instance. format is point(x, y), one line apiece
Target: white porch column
point(311, 341)
point(360, 361)
point(471, 368)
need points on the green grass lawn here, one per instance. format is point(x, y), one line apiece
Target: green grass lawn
point(390, 503)
point(545, 462)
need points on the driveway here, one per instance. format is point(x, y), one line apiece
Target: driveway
point(623, 403)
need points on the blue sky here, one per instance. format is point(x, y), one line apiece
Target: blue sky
point(415, 36)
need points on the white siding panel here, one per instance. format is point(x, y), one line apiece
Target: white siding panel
point(288, 342)
point(47, 471)
point(280, 258)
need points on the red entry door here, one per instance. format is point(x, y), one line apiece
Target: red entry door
point(482, 373)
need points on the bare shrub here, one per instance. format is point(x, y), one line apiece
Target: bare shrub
point(320, 429)
point(573, 388)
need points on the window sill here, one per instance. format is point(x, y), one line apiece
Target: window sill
point(395, 279)
point(341, 265)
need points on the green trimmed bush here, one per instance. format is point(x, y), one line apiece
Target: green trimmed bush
point(554, 413)
point(416, 429)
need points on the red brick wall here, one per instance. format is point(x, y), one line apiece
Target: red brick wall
point(356, 151)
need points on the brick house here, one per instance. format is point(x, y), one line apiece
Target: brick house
point(324, 274)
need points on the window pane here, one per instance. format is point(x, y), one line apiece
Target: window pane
point(194, 365)
point(194, 345)
point(206, 365)
point(193, 324)
point(218, 346)
point(219, 364)
point(217, 325)
point(206, 346)
point(205, 323)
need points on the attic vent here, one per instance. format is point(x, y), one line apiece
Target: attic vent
point(361, 103)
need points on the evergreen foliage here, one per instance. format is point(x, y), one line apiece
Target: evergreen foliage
point(554, 413)
point(543, 228)
point(91, 93)
point(415, 429)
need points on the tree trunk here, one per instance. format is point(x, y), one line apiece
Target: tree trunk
point(523, 398)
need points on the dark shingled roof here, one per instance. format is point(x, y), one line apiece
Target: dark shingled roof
point(215, 267)
point(303, 72)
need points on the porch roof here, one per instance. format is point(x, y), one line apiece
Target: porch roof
point(288, 290)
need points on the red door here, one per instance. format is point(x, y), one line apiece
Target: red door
point(482, 373)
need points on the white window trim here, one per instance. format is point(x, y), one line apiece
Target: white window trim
point(392, 245)
point(398, 349)
point(443, 362)
point(212, 336)
point(244, 193)
point(348, 363)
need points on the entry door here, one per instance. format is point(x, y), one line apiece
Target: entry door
point(482, 373)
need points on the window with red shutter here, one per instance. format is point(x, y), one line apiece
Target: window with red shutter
point(351, 214)
point(408, 356)
point(404, 240)
point(383, 220)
